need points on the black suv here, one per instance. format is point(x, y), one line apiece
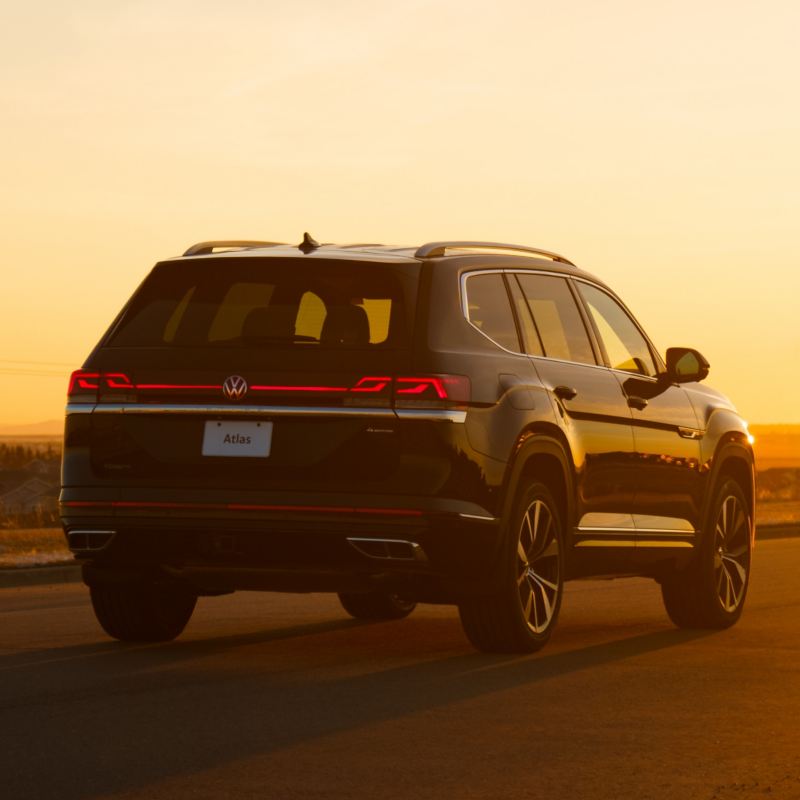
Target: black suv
point(463, 422)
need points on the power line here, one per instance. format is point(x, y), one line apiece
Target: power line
point(35, 363)
point(34, 373)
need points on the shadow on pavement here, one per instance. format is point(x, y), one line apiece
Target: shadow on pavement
point(99, 719)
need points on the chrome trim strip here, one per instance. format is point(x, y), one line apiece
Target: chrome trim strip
point(480, 517)
point(433, 414)
point(238, 410)
point(213, 409)
point(636, 531)
point(606, 543)
point(677, 544)
point(79, 408)
point(632, 544)
point(606, 531)
point(604, 521)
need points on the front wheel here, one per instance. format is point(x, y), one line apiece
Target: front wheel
point(711, 593)
point(520, 617)
point(142, 612)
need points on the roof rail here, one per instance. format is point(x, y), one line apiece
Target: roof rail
point(434, 249)
point(206, 248)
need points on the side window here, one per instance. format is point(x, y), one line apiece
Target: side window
point(625, 346)
point(530, 336)
point(557, 318)
point(489, 310)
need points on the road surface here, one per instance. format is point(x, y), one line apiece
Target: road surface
point(277, 696)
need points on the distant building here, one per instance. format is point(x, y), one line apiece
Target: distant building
point(31, 496)
point(41, 467)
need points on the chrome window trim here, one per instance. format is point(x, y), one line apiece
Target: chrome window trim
point(567, 277)
point(465, 308)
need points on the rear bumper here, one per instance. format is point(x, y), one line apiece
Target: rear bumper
point(223, 541)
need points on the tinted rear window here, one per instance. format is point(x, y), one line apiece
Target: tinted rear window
point(257, 303)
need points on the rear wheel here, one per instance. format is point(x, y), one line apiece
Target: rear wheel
point(521, 616)
point(711, 593)
point(376, 605)
point(142, 612)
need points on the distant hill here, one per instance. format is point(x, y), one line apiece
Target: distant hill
point(776, 446)
point(52, 427)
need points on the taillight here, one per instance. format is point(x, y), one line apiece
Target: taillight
point(410, 391)
point(431, 391)
point(83, 382)
point(92, 386)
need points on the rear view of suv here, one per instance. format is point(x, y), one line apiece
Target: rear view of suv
point(464, 422)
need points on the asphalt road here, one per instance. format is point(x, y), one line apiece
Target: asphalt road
point(274, 696)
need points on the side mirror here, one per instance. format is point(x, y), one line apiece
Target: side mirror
point(684, 365)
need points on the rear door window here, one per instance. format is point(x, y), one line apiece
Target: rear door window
point(489, 309)
point(557, 318)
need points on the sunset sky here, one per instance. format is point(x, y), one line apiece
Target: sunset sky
point(657, 145)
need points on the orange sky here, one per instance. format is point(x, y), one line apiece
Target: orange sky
point(657, 145)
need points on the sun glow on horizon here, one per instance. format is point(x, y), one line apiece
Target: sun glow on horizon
point(656, 146)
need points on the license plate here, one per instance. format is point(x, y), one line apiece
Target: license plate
point(237, 439)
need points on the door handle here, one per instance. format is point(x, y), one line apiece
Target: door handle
point(638, 403)
point(565, 392)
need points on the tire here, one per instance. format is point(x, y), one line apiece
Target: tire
point(521, 616)
point(146, 612)
point(376, 605)
point(712, 591)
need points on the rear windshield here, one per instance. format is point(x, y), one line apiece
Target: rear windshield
point(290, 303)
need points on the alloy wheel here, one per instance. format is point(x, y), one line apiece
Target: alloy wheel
point(538, 578)
point(731, 553)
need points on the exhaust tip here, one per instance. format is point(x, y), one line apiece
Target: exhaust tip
point(81, 541)
point(388, 549)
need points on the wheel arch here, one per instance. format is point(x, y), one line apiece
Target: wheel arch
point(733, 459)
point(542, 453)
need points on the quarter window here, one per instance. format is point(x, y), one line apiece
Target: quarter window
point(625, 346)
point(557, 318)
point(489, 309)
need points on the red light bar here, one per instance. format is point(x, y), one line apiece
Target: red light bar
point(112, 504)
point(177, 386)
point(298, 388)
point(407, 390)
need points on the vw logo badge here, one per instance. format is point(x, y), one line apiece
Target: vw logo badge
point(234, 387)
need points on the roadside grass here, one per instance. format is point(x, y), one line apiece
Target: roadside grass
point(31, 547)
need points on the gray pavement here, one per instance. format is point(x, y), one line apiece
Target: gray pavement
point(276, 696)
